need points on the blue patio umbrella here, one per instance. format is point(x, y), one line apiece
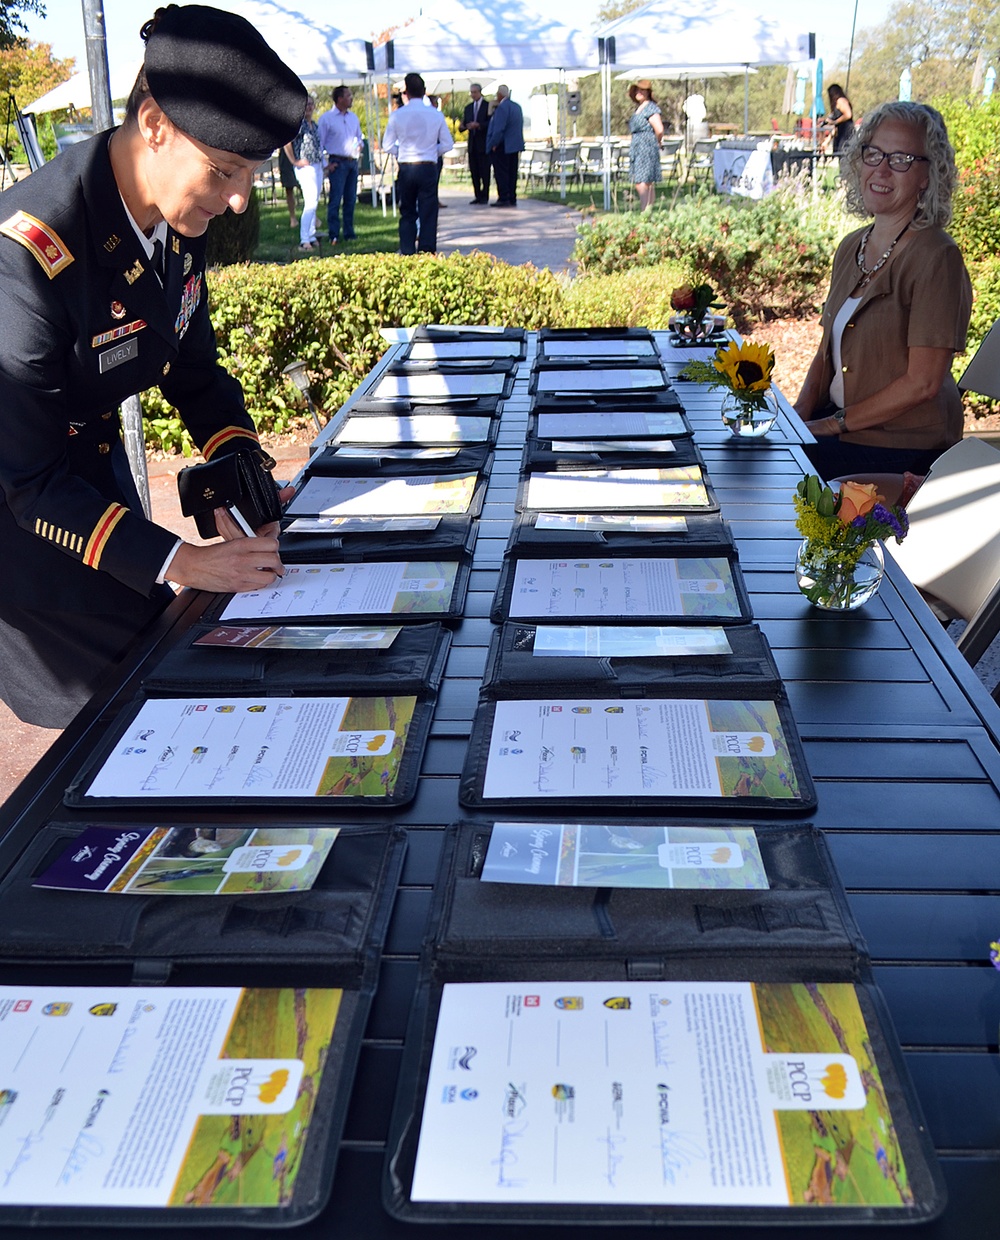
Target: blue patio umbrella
point(906, 85)
point(801, 81)
point(818, 109)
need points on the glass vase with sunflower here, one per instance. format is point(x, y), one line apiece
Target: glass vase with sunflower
point(743, 371)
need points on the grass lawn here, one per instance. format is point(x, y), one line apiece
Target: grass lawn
point(376, 234)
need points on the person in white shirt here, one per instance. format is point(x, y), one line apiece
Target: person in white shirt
point(418, 136)
point(341, 137)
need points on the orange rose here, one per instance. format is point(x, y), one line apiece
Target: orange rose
point(856, 500)
point(682, 298)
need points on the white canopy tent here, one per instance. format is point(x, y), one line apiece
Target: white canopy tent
point(488, 37)
point(300, 31)
point(489, 40)
point(716, 33)
point(75, 91)
point(665, 35)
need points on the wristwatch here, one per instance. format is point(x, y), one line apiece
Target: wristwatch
point(840, 417)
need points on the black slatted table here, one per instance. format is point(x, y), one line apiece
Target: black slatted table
point(901, 739)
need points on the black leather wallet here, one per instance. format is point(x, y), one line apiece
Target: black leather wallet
point(240, 480)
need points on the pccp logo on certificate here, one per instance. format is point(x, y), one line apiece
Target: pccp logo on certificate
point(742, 744)
point(250, 1086)
point(812, 1082)
point(362, 744)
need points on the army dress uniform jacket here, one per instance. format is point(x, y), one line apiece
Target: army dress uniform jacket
point(85, 323)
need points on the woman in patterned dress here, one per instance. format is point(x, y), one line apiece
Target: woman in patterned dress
point(646, 129)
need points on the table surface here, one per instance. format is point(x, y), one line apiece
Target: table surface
point(900, 737)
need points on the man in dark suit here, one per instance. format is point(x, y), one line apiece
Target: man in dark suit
point(505, 142)
point(474, 123)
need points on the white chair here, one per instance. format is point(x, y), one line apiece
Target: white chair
point(983, 373)
point(952, 552)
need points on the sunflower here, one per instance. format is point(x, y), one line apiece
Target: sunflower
point(746, 367)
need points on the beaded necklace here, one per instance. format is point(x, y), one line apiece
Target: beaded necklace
point(867, 273)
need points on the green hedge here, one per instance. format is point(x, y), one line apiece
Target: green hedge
point(636, 298)
point(328, 312)
point(767, 259)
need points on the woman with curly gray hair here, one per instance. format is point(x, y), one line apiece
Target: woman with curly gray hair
point(879, 395)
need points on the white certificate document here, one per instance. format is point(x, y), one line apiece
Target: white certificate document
point(628, 522)
point(612, 350)
point(621, 854)
point(657, 748)
point(610, 425)
point(158, 1095)
point(612, 445)
point(366, 453)
point(456, 350)
point(258, 748)
point(614, 641)
point(682, 1093)
point(602, 587)
point(418, 495)
point(576, 490)
point(585, 381)
point(329, 590)
point(360, 525)
point(440, 386)
point(419, 428)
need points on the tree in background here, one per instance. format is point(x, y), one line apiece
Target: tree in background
point(11, 24)
point(611, 10)
point(27, 71)
point(938, 42)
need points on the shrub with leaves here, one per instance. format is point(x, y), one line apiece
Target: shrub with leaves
point(767, 259)
point(234, 238)
point(328, 312)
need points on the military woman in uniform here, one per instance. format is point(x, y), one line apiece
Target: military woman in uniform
point(102, 263)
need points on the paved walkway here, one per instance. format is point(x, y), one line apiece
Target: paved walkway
point(542, 233)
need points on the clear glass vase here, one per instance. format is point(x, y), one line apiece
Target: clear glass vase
point(828, 583)
point(692, 327)
point(750, 419)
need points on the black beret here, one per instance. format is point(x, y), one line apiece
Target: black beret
point(215, 77)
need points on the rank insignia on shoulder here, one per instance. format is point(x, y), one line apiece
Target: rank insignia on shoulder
point(134, 272)
point(40, 240)
point(188, 264)
point(175, 244)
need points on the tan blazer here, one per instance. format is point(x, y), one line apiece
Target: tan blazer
point(921, 298)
